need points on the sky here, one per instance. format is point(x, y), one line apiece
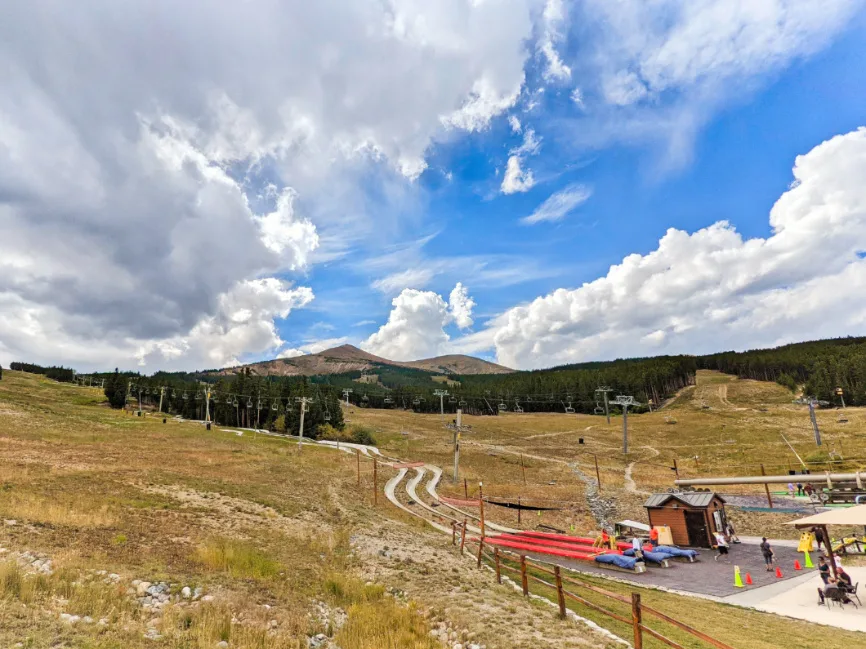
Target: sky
point(534, 182)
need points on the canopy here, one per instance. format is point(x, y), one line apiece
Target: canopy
point(849, 516)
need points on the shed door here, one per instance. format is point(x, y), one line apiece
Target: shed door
point(696, 527)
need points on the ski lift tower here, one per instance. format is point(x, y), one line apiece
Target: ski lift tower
point(625, 402)
point(812, 402)
point(346, 394)
point(441, 394)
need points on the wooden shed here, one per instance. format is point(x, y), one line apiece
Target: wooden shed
point(692, 516)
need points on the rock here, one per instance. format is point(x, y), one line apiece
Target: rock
point(141, 588)
point(273, 624)
point(69, 619)
point(457, 646)
point(222, 644)
point(197, 593)
point(114, 577)
point(87, 619)
point(10, 521)
point(207, 598)
point(152, 634)
point(185, 592)
point(317, 641)
point(103, 621)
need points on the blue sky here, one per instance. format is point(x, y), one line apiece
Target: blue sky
point(532, 181)
point(739, 163)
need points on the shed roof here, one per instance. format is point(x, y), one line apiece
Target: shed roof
point(691, 498)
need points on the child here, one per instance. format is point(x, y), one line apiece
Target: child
point(721, 545)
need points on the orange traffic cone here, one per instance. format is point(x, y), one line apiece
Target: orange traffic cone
point(748, 579)
point(778, 572)
point(797, 565)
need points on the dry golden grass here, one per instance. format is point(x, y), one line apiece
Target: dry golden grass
point(254, 521)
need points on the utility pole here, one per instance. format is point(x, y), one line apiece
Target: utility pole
point(441, 394)
point(346, 394)
point(303, 401)
point(207, 398)
point(161, 395)
point(604, 390)
point(625, 402)
point(458, 428)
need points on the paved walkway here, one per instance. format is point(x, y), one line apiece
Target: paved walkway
point(798, 598)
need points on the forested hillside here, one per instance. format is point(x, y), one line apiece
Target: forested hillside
point(820, 366)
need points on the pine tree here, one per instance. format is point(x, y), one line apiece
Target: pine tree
point(115, 390)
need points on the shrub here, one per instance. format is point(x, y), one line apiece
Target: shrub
point(355, 434)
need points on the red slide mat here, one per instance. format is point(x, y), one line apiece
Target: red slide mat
point(581, 540)
point(576, 547)
point(541, 549)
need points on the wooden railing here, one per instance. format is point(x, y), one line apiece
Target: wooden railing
point(524, 572)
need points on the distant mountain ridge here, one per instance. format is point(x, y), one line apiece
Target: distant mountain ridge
point(348, 358)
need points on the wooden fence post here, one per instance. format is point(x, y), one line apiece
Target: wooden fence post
point(453, 533)
point(481, 506)
point(559, 594)
point(465, 489)
point(358, 454)
point(523, 469)
point(636, 620)
point(597, 474)
point(524, 581)
point(676, 468)
point(519, 509)
point(463, 537)
point(480, 548)
point(767, 489)
point(498, 569)
point(375, 482)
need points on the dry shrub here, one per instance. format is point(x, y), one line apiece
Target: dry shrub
point(74, 511)
point(384, 624)
point(236, 558)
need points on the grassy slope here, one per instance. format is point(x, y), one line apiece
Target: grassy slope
point(247, 519)
point(739, 431)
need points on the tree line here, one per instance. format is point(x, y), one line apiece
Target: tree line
point(243, 400)
point(63, 374)
point(819, 366)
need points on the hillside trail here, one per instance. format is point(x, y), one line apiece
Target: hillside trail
point(630, 484)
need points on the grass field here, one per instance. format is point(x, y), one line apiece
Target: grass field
point(285, 545)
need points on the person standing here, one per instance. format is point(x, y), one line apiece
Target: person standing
point(823, 569)
point(721, 545)
point(791, 489)
point(799, 488)
point(768, 553)
point(654, 537)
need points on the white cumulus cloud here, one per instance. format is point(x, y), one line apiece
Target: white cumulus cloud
point(712, 289)
point(516, 179)
point(416, 325)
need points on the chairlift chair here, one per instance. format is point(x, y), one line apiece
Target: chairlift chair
point(365, 398)
point(235, 402)
point(327, 416)
point(452, 400)
point(275, 406)
point(598, 409)
point(185, 396)
point(249, 402)
point(416, 401)
point(198, 396)
point(502, 407)
point(517, 407)
point(389, 400)
point(568, 409)
point(461, 403)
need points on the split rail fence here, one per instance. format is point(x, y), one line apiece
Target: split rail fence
point(526, 572)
